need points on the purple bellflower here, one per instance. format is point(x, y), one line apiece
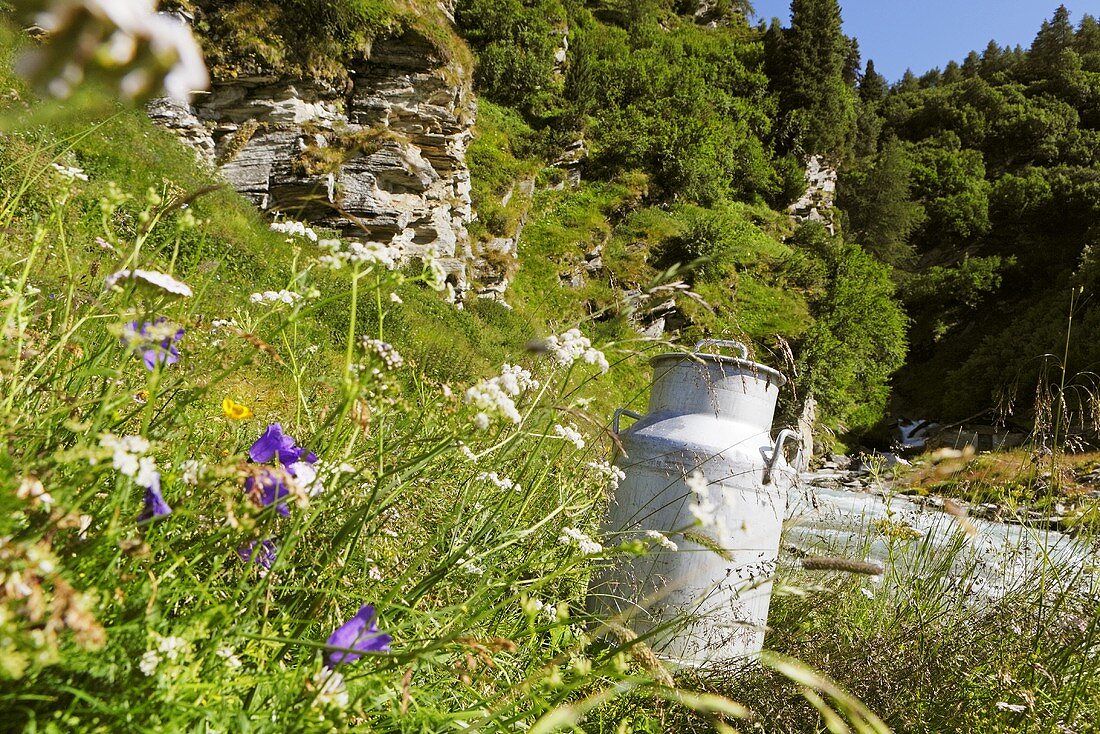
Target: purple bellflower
point(272, 488)
point(358, 635)
point(138, 337)
point(260, 552)
point(276, 443)
point(155, 506)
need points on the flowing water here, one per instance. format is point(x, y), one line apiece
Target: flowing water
point(910, 537)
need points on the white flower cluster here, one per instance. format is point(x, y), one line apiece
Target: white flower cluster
point(494, 397)
point(129, 458)
point(364, 253)
point(500, 482)
point(613, 473)
point(571, 346)
point(535, 607)
point(70, 172)
point(390, 356)
point(662, 540)
point(570, 434)
point(294, 229)
point(230, 658)
point(587, 546)
point(169, 648)
point(705, 510)
point(218, 324)
point(283, 296)
point(190, 470)
point(330, 687)
point(126, 29)
point(31, 489)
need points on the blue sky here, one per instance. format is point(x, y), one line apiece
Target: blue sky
point(921, 34)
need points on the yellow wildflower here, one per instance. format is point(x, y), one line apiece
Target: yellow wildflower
point(234, 411)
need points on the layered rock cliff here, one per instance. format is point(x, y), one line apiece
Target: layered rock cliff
point(383, 157)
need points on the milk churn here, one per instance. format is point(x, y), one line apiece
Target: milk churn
point(703, 471)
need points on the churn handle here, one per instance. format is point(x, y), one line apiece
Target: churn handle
point(785, 435)
point(723, 343)
point(620, 412)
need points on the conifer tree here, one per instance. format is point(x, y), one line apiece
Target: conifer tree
point(851, 73)
point(1055, 37)
point(872, 87)
point(815, 94)
point(972, 65)
point(907, 83)
point(1086, 43)
point(881, 215)
point(952, 73)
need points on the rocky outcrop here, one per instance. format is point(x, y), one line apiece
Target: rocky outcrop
point(816, 204)
point(382, 158)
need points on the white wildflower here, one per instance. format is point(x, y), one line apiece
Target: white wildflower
point(571, 346)
point(283, 296)
point(330, 687)
point(70, 172)
point(572, 536)
point(147, 473)
point(662, 540)
point(465, 450)
point(493, 397)
point(121, 28)
point(613, 473)
point(394, 298)
point(172, 647)
point(231, 660)
point(149, 662)
point(374, 574)
point(515, 379)
point(499, 481)
point(163, 281)
point(372, 253)
point(535, 607)
point(390, 356)
point(295, 229)
point(30, 488)
point(491, 400)
point(305, 478)
point(41, 560)
point(570, 434)
point(1015, 708)
point(190, 471)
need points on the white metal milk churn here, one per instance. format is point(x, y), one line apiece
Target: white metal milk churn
point(702, 470)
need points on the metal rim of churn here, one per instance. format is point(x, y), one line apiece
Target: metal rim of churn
point(758, 369)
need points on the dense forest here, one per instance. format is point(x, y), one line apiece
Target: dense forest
point(973, 190)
